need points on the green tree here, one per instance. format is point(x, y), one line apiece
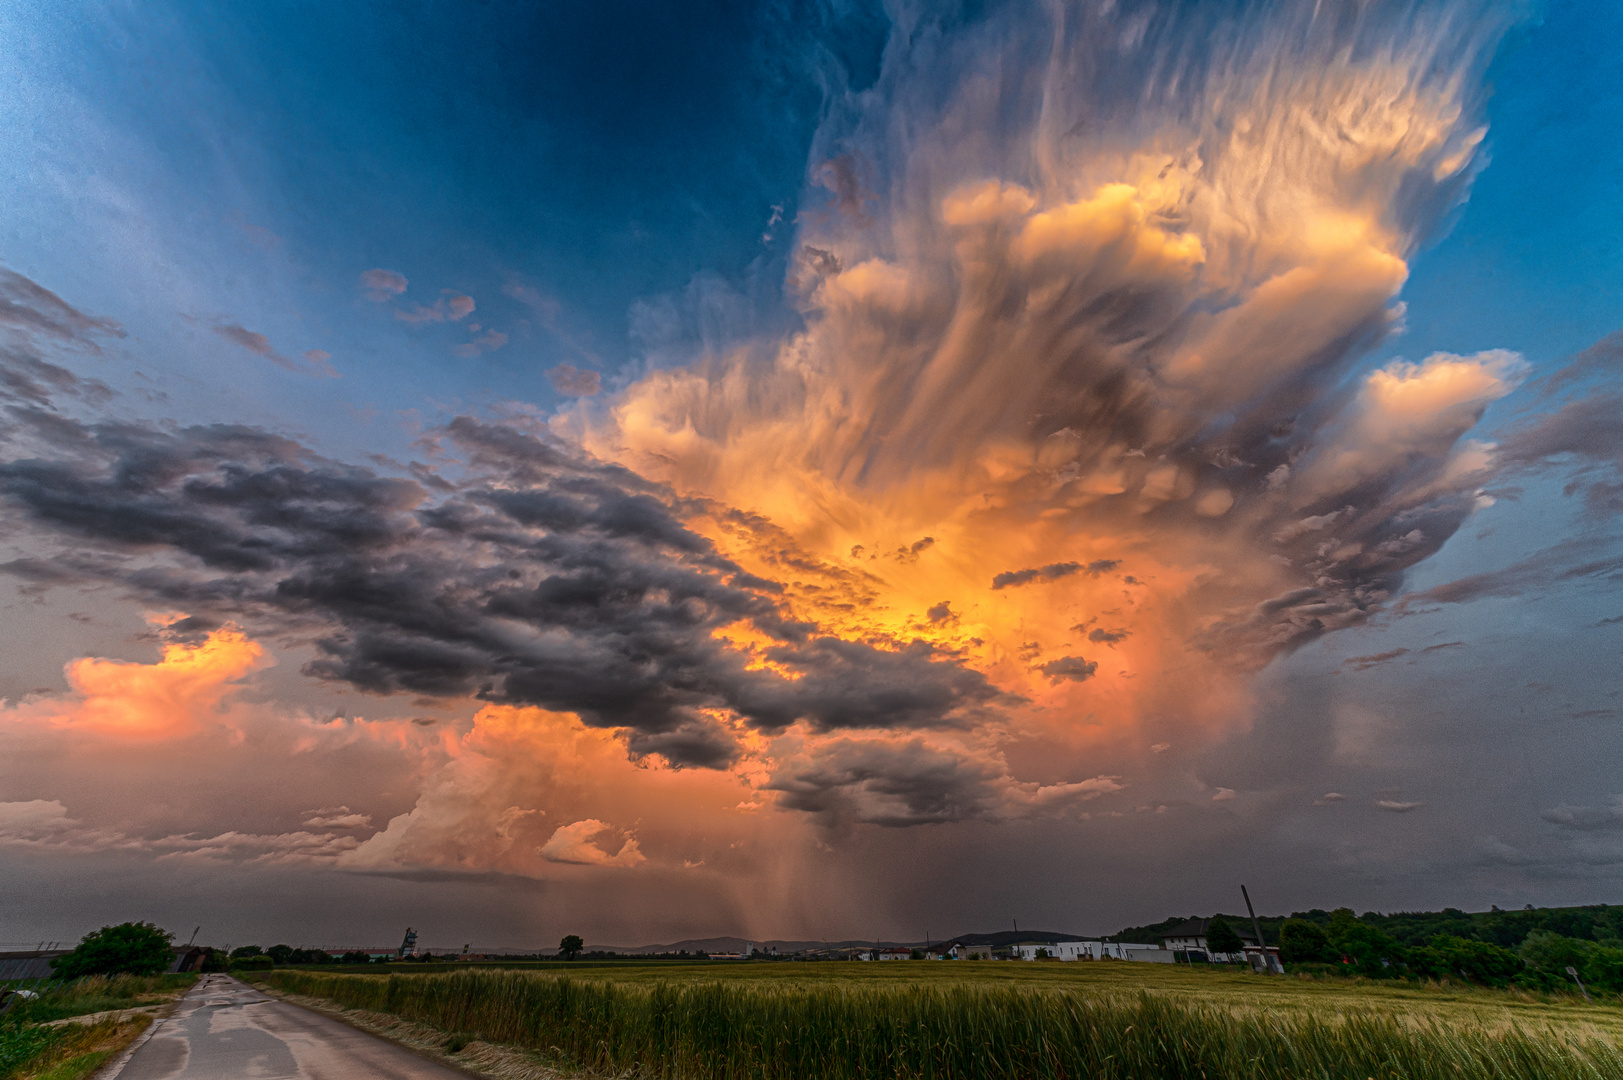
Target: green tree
point(242, 951)
point(1553, 953)
point(1372, 950)
point(1480, 962)
point(1603, 968)
point(128, 948)
point(280, 954)
point(571, 946)
point(1302, 942)
point(1222, 938)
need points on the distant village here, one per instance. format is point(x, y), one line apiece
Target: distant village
point(1218, 939)
point(1184, 942)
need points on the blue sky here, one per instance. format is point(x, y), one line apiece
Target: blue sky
point(256, 158)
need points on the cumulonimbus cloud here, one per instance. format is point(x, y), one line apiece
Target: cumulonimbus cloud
point(1097, 327)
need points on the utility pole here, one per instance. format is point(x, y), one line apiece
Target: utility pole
point(1574, 973)
point(1267, 962)
point(194, 936)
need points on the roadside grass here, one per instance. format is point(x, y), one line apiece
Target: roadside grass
point(66, 1052)
point(985, 1021)
point(101, 993)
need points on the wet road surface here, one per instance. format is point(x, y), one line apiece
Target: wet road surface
point(224, 1029)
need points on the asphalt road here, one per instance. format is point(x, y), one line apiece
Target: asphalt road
point(224, 1029)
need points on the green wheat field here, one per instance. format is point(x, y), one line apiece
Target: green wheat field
point(1113, 1021)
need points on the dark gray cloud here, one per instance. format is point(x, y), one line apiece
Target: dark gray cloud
point(32, 315)
point(544, 578)
point(1572, 560)
point(31, 308)
point(1052, 572)
point(1364, 663)
point(1073, 668)
point(889, 784)
point(534, 576)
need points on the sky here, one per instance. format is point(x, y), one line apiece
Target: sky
point(807, 470)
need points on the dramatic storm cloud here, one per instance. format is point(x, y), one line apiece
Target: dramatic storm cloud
point(1047, 476)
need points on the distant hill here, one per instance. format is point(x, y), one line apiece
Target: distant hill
point(738, 944)
point(735, 944)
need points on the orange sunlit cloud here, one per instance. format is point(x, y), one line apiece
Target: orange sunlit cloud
point(178, 696)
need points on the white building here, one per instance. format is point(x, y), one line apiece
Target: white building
point(1092, 950)
point(1190, 935)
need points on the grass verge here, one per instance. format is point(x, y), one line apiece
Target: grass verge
point(67, 1052)
point(101, 993)
point(722, 1031)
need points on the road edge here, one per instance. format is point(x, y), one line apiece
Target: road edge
point(502, 1062)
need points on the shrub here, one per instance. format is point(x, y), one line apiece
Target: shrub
point(128, 948)
point(1476, 961)
point(253, 963)
point(1302, 942)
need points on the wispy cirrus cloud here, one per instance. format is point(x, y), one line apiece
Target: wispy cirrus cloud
point(315, 360)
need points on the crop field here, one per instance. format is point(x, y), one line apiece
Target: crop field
point(990, 1020)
